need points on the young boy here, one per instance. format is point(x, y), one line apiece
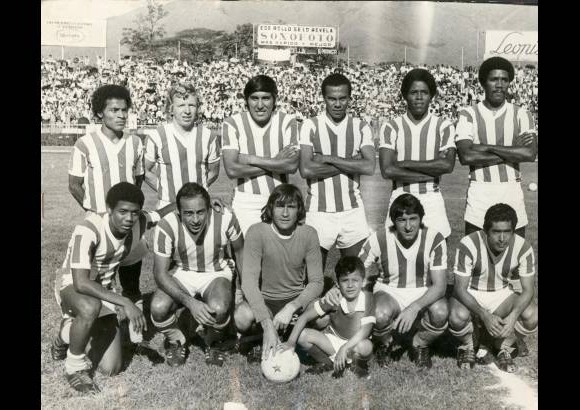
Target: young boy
point(345, 339)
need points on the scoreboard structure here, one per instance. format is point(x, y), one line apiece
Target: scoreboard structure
point(283, 42)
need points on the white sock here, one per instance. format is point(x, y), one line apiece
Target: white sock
point(74, 363)
point(65, 330)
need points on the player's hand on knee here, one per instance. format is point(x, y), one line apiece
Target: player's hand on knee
point(136, 317)
point(332, 297)
point(508, 327)
point(494, 324)
point(340, 358)
point(404, 322)
point(283, 318)
point(202, 313)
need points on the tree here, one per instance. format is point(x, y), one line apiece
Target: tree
point(148, 30)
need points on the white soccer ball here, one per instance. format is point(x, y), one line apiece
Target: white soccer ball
point(533, 187)
point(281, 367)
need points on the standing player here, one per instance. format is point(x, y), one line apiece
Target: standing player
point(282, 269)
point(182, 151)
point(259, 149)
point(493, 137)
point(195, 240)
point(484, 262)
point(335, 149)
point(84, 287)
point(412, 261)
point(345, 339)
point(101, 159)
point(417, 148)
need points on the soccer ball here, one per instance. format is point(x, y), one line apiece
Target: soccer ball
point(281, 367)
point(533, 187)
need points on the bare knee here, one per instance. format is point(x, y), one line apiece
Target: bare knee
point(110, 367)
point(304, 338)
point(160, 306)
point(243, 317)
point(438, 313)
point(459, 316)
point(364, 348)
point(384, 316)
point(529, 316)
point(221, 309)
point(88, 308)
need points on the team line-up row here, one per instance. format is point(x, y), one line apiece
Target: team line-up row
point(277, 264)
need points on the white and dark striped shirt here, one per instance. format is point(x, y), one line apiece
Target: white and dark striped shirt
point(173, 240)
point(488, 272)
point(483, 126)
point(340, 192)
point(181, 159)
point(242, 134)
point(420, 142)
point(402, 267)
point(102, 164)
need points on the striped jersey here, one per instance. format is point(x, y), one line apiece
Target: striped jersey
point(181, 159)
point(474, 259)
point(402, 267)
point(102, 164)
point(483, 126)
point(93, 246)
point(173, 240)
point(241, 133)
point(420, 142)
point(340, 192)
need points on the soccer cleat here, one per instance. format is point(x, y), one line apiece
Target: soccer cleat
point(521, 348)
point(361, 368)
point(505, 361)
point(214, 357)
point(175, 354)
point(383, 354)
point(145, 349)
point(82, 382)
point(255, 355)
point(58, 348)
point(483, 356)
point(320, 368)
point(421, 357)
point(465, 358)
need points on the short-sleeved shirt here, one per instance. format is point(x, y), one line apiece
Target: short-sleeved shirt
point(180, 158)
point(421, 142)
point(173, 240)
point(343, 322)
point(102, 164)
point(241, 133)
point(484, 126)
point(340, 192)
point(94, 247)
point(402, 267)
point(490, 273)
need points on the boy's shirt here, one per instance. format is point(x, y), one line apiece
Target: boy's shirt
point(343, 322)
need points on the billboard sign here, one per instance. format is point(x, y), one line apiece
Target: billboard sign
point(74, 33)
point(291, 35)
point(512, 45)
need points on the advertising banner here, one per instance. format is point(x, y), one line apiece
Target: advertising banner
point(69, 33)
point(512, 45)
point(296, 36)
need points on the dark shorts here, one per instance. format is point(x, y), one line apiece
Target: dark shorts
point(276, 305)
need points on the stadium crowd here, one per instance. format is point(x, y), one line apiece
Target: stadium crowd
point(66, 86)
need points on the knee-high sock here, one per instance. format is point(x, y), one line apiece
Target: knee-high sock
point(215, 333)
point(519, 333)
point(75, 362)
point(427, 333)
point(383, 335)
point(170, 330)
point(465, 336)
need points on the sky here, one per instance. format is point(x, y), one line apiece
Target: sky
point(431, 32)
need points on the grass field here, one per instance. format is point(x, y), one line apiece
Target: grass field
point(143, 385)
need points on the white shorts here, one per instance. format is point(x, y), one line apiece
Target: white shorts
point(345, 228)
point(197, 282)
point(490, 301)
point(248, 209)
point(434, 206)
point(403, 296)
point(64, 279)
point(336, 341)
point(482, 195)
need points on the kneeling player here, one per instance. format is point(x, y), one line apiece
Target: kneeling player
point(195, 240)
point(413, 261)
point(484, 263)
point(345, 339)
point(85, 292)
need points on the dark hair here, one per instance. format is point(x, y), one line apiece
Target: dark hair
point(284, 194)
point(106, 92)
point(191, 190)
point(408, 204)
point(260, 83)
point(495, 63)
point(124, 191)
point(335, 80)
point(349, 264)
point(500, 213)
point(418, 74)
